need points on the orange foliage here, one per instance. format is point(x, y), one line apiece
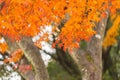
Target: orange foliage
point(115, 5)
point(20, 18)
point(112, 33)
point(15, 56)
point(3, 47)
point(83, 17)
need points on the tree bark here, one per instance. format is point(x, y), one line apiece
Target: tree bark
point(68, 64)
point(33, 56)
point(89, 60)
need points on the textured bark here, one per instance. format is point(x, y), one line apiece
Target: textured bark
point(14, 46)
point(68, 64)
point(33, 56)
point(89, 60)
point(28, 75)
point(66, 61)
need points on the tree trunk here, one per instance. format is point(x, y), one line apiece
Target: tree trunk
point(68, 64)
point(89, 59)
point(33, 56)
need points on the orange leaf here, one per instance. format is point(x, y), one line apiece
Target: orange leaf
point(3, 47)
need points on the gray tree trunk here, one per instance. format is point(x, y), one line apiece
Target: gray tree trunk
point(33, 56)
point(89, 60)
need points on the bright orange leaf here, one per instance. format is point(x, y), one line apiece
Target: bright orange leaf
point(3, 47)
point(15, 56)
point(20, 18)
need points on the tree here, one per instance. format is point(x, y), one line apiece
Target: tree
point(111, 47)
point(22, 19)
point(56, 72)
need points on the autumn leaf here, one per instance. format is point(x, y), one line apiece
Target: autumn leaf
point(21, 18)
point(3, 47)
point(15, 56)
point(112, 33)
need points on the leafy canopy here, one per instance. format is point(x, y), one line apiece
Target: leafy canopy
point(19, 18)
